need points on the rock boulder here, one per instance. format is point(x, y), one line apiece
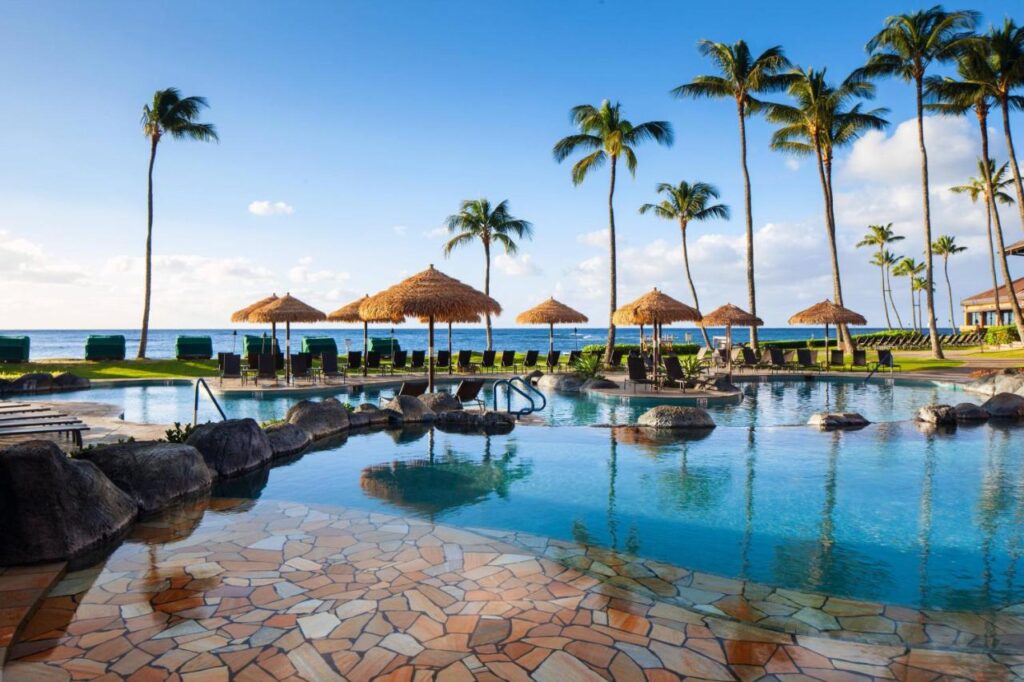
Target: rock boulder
point(232, 447)
point(827, 421)
point(461, 421)
point(410, 409)
point(287, 439)
point(441, 401)
point(676, 417)
point(35, 382)
point(154, 474)
point(940, 415)
point(1005, 406)
point(54, 508)
point(969, 412)
point(319, 419)
point(598, 383)
point(561, 383)
point(375, 415)
point(67, 381)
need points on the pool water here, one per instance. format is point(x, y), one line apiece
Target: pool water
point(887, 513)
point(763, 403)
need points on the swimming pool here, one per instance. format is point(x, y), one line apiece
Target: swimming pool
point(779, 402)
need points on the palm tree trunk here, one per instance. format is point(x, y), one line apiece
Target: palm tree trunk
point(144, 333)
point(689, 278)
point(991, 249)
point(929, 273)
point(487, 290)
point(892, 301)
point(1004, 104)
point(1000, 242)
point(949, 290)
point(842, 329)
point(612, 297)
point(826, 190)
point(751, 293)
point(885, 303)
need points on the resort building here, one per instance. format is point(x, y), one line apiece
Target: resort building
point(980, 309)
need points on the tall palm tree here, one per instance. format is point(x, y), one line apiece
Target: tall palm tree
point(904, 48)
point(476, 220)
point(946, 246)
point(886, 259)
point(686, 203)
point(976, 188)
point(911, 269)
point(881, 236)
point(607, 136)
point(741, 76)
point(977, 89)
point(822, 120)
point(1006, 49)
point(168, 114)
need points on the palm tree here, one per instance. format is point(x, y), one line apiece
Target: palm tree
point(740, 76)
point(687, 203)
point(905, 47)
point(607, 136)
point(476, 220)
point(821, 121)
point(911, 269)
point(886, 259)
point(168, 114)
point(977, 88)
point(976, 189)
point(881, 236)
point(946, 246)
point(1006, 49)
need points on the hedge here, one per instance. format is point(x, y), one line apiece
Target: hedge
point(997, 336)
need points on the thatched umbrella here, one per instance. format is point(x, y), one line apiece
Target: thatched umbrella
point(433, 295)
point(727, 316)
point(350, 313)
point(245, 315)
point(287, 309)
point(827, 313)
point(457, 319)
point(655, 308)
point(551, 312)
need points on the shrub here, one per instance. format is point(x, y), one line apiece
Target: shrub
point(179, 433)
point(997, 336)
point(678, 349)
point(588, 367)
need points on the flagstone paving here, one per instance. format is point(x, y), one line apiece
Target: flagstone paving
point(282, 591)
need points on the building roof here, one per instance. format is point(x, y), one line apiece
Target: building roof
point(989, 295)
point(1015, 249)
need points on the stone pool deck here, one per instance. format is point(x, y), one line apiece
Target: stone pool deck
point(272, 591)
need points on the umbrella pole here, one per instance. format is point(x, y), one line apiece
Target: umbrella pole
point(828, 358)
point(288, 351)
point(657, 349)
point(366, 345)
point(728, 350)
point(430, 354)
point(551, 337)
point(449, 347)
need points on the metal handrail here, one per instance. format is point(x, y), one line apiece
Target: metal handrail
point(195, 402)
point(509, 388)
point(532, 389)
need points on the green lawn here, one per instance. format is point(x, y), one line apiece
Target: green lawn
point(1014, 354)
point(117, 369)
point(910, 363)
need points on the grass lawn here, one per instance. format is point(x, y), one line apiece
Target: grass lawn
point(911, 363)
point(1015, 354)
point(117, 369)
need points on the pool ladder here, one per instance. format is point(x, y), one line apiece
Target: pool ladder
point(195, 402)
point(527, 391)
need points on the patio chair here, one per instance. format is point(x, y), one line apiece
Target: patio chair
point(468, 391)
point(487, 362)
point(355, 360)
point(552, 362)
point(508, 359)
point(721, 357)
point(637, 372)
point(300, 367)
point(398, 361)
point(530, 361)
point(419, 361)
point(463, 362)
point(702, 355)
point(266, 368)
point(859, 359)
point(748, 359)
point(329, 367)
point(837, 358)
point(886, 360)
point(252, 360)
point(443, 360)
point(776, 360)
point(674, 375)
point(410, 388)
point(807, 359)
point(574, 356)
point(230, 367)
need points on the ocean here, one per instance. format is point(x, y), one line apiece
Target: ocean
point(57, 343)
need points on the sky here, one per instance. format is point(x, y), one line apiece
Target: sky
point(349, 131)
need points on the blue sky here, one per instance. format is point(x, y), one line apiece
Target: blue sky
point(367, 123)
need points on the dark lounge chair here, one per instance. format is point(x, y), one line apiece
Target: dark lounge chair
point(807, 359)
point(329, 367)
point(674, 375)
point(508, 359)
point(266, 368)
point(444, 360)
point(776, 360)
point(464, 361)
point(468, 391)
point(373, 362)
point(837, 358)
point(552, 362)
point(616, 362)
point(487, 362)
point(748, 359)
point(300, 367)
point(419, 361)
point(398, 361)
point(530, 361)
point(859, 359)
point(355, 360)
point(410, 388)
point(886, 361)
point(637, 372)
point(230, 367)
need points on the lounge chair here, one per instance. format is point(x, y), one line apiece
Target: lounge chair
point(859, 359)
point(252, 360)
point(487, 362)
point(574, 356)
point(530, 361)
point(553, 358)
point(300, 367)
point(410, 388)
point(674, 375)
point(266, 368)
point(748, 359)
point(329, 367)
point(721, 357)
point(64, 426)
point(419, 361)
point(373, 362)
point(776, 360)
point(231, 367)
point(807, 359)
point(508, 360)
point(702, 355)
point(464, 361)
point(637, 372)
point(443, 360)
point(886, 360)
point(355, 361)
point(468, 391)
point(836, 358)
point(398, 361)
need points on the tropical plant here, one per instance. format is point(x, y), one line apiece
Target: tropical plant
point(179, 433)
point(692, 367)
point(977, 89)
point(740, 77)
point(168, 114)
point(944, 247)
point(823, 119)
point(911, 269)
point(686, 203)
point(881, 236)
point(905, 47)
point(607, 136)
point(588, 366)
point(977, 188)
point(477, 221)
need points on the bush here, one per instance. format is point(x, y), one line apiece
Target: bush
point(588, 367)
point(997, 336)
point(678, 348)
point(179, 434)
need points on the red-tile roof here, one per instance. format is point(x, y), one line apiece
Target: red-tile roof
point(989, 296)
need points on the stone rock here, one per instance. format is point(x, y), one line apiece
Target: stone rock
point(393, 417)
point(66, 381)
point(718, 382)
point(410, 409)
point(287, 439)
point(1004, 381)
point(496, 422)
point(35, 382)
point(461, 421)
point(54, 508)
point(358, 420)
point(441, 401)
point(377, 416)
point(1005, 406)
point(154, 474)
point(598, 383)
point(531, 377)
point(837, 420)
point(969, 412)
point(232, 447)
point(319, 419)
point(676, 417)
point(936, 414)
point(562, 383)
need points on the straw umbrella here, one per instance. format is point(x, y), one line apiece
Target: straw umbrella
point(456, 319)
point(245, 315)
point(551, 312)
point(727, 316)
point(350, 313)
point(655, 308)
point(827, 313)
point(433, 295)
point(287, 309)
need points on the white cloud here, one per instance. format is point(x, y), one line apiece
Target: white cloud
point(516, 266)
point(399, 229)
point(435, 232)
point(304, 273)
point(268, 208)
point(597, 238)
point(792, 164)
point(22, 260)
